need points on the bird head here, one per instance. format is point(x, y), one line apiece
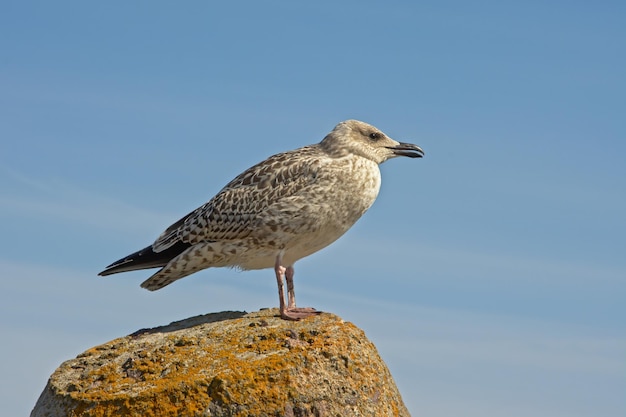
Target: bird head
point(365, 140)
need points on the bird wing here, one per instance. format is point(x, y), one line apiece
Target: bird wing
point(231, 214)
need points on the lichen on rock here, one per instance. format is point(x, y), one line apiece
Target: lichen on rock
point(228, 364)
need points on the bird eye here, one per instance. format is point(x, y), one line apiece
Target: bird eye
point(374, 136)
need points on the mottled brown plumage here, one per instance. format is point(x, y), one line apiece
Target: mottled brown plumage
point(276, 212)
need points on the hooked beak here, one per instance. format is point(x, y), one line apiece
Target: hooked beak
point(407, 149)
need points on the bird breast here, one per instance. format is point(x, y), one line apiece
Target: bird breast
point(343, 194)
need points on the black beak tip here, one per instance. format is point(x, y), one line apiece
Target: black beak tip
point(408, 149)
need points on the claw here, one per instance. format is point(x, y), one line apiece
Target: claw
point(298, 313)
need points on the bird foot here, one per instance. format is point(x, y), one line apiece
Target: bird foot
point(297, 313)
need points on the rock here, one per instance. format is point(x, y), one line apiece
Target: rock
point(228, 364)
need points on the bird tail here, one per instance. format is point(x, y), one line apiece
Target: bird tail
point(145, 258)
point(202, 255)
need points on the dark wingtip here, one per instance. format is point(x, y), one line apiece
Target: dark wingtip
point(145, 258)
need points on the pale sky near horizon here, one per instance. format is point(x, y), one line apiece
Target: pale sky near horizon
point(491, 274)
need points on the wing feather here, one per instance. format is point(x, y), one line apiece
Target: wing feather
point(233, 212)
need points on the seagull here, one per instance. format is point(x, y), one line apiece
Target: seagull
point(279, 211)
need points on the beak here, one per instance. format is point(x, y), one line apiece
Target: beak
point(407, 149)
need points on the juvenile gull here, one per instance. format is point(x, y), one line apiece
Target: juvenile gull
point(283, 209)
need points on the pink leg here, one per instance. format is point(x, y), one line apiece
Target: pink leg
point(289, 312)
point(280, 271)
point(290, 291)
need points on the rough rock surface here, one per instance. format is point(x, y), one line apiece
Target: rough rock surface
point(228, 364)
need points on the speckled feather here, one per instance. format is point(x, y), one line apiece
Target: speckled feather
point(295, 203)
point(235, 212)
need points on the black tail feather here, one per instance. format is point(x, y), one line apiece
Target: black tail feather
point(145, 259)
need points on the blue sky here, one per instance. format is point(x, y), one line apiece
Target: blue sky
point(491, 274)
